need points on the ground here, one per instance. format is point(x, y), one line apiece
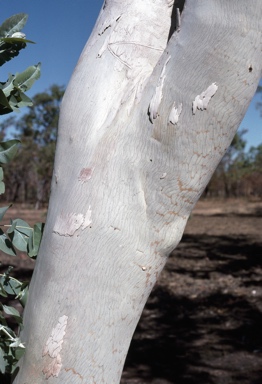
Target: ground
point(203, 321)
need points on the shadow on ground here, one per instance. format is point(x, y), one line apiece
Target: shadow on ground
point(203, 321)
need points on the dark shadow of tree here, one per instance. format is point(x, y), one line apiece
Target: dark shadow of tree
point(213, 336)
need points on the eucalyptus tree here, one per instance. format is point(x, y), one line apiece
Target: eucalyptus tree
point(151, 108)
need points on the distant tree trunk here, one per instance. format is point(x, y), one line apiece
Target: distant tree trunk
point(143, 124)
point(40, 192)
point(16, 190)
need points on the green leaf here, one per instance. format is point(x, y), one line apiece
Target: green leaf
point(3, 362)
point(2, 291)
point(13, 24)
point(26, 79)
point(35, 240)
point(19, 241)
point(11, 46)
point(3, 211)
point(17, 343)
point(4, 101)
point(2, 184)
point(8, 150)
point(3, 322)
point(19, 351)
point(23, 295)
point(8, 86)
point(19, 234)
point(6, 245)
point(11, 311)
point(13, 40)
point(21, 226)
point(23, 101)
point(11, 285)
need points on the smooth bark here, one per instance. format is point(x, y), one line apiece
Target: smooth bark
point(126, 178)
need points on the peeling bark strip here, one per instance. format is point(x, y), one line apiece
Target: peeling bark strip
point(156, 99)
point(201, 101)
point(175, 113)
point(53, 348)
point(68, 224)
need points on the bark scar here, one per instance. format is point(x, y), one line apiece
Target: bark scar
point(67, 224)
point(53, 348)
point(157, 97)
point(201, 101)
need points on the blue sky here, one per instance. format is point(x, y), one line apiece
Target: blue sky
point(60, 29)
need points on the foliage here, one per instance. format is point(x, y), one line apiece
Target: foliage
point(29, 175)
point(12, 91)
point(239, 172)
point(11, 347)
point(18, 235)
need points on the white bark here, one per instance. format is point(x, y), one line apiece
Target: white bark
point(126, 177)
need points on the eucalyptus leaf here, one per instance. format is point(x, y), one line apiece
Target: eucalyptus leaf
point(19, 240)
point(13, 40)
point(11, 285)
point(8, 150)
point(8, 86)
point(13, 24)
point(3, 322)
point(19, 100)
point(6, 245)
point(17, 344)
point(3, 362)
point(19, 351)
point(2, 291)
point(19, 233)
point(2, 184)
point(35, 240)
point(26, 79)
point(13, 97)
point(3, 100)
point(20, 226)
point(2, 187)
point(11, 311)
point(3, 211)
point(23, 295)
point(14, 104)
point(24, 100)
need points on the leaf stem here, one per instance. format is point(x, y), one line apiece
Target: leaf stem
point(2, 328)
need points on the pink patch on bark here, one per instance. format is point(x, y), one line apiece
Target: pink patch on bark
point(85, 174)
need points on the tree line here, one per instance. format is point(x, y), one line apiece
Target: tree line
point(28, 176)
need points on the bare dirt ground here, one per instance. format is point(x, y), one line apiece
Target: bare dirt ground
point(203, 321)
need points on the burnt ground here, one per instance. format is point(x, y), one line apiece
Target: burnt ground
point(203, 321)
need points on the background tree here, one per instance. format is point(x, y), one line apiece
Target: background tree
point(259, 103)
point(29, 175)
point(230, 170)
point(238, 173)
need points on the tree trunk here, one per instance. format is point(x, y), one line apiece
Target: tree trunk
point(143, 125)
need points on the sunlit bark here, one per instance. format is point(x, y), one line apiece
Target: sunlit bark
point(143, 124)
